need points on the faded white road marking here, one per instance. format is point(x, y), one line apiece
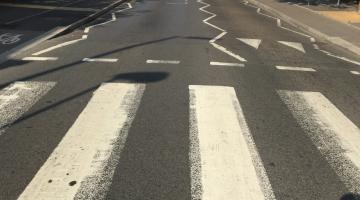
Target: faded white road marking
point(18, 98)
point(336, 137)
point(213, 41)
point(355, 72)
point(40, 58)
point(227, 64)
point(173, 62)
point(255, 43)
point(295, 45)
point(84, 37)
point(224, 160)
point(83, 163)
point(307, 69)
point(100, 60)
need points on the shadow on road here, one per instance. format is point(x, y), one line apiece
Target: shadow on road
point(350, 196)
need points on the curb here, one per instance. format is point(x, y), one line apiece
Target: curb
point(334, 40)
point(89, 18)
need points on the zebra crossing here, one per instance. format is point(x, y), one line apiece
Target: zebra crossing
point(223, 157)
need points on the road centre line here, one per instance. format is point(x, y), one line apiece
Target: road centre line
point(227, 64)
point(224, 160)
point(213, 41)
point(307, 69)
point(173, 62)
point(40, 58)
point(355, 72)
point(84, 161)
point(100, 60)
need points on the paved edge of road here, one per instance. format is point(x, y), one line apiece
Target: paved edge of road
point(56, 32)
point(30, 44)
point(334, 40)
point(90, 18)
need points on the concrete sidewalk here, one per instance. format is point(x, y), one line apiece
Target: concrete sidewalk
point(321, 26)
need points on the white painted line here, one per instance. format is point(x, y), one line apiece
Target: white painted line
point(224, 160)
point(336, 136)
point(84, 161)
point(18, 98)
point(259, 12)
point(255, 43)
point(173, 62)
point(355, 72)
point(48, 7)
point(227, 64)
point(100, 60)
point(213, 41)
point(223, 49)
point(306, 69)
point(84, 37)
point(295, 45)
point(40, 58)
point(38, 14)
point(341, 58)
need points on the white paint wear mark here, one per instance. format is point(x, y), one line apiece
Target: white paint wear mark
point(335, 135)
point(18, 98)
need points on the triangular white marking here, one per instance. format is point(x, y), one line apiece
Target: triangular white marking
point(251, 42)
point(295, 45)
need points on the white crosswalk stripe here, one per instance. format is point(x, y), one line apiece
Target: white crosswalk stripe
point(83, 163)
point(224, 160)
point(222, 149)
point(18, 98)
point(336, 136)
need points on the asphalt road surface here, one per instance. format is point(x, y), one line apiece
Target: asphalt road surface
point(181, 99)
point(22, 21)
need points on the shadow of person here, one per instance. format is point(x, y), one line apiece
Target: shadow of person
point(350, 196)
point(141, 77)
